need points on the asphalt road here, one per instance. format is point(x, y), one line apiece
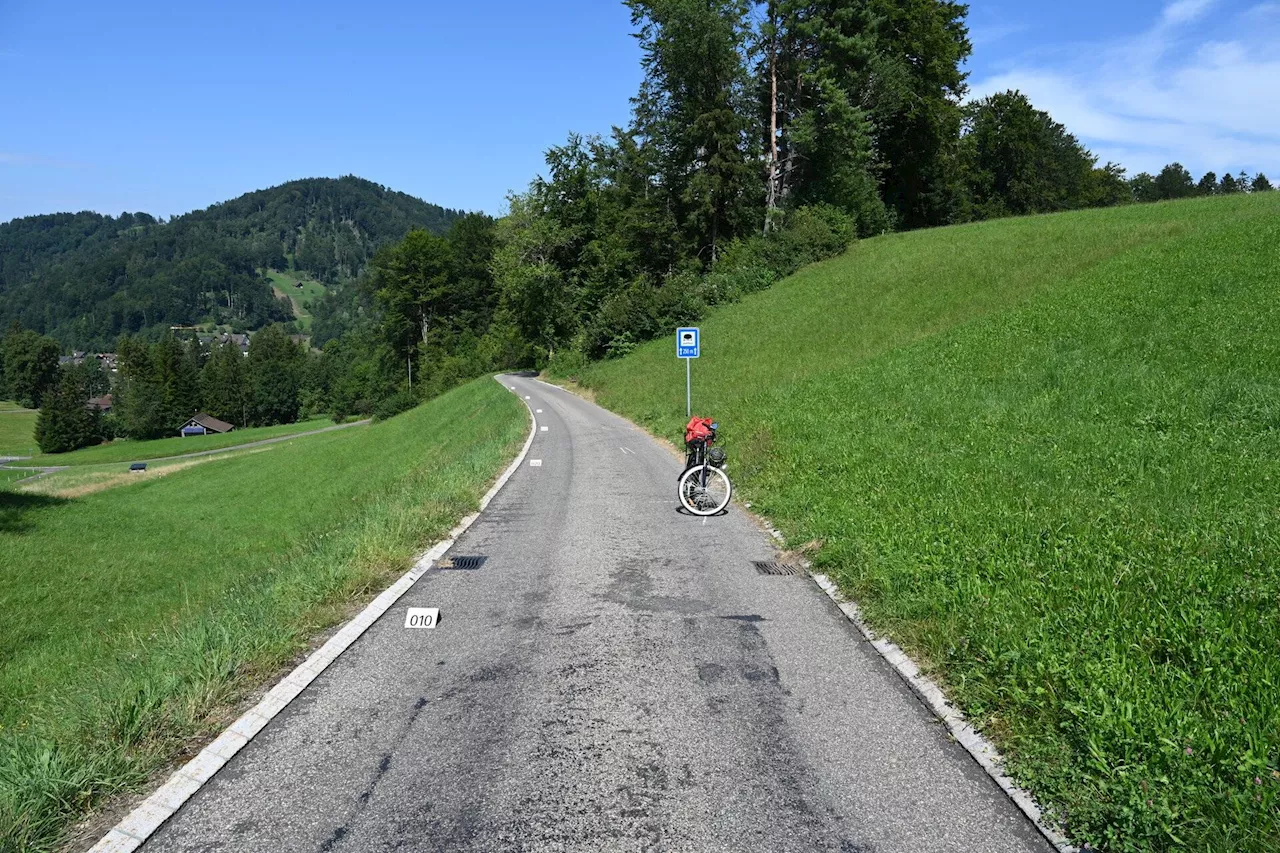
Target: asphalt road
point(616, 676)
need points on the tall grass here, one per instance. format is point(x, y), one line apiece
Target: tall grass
point(1044, 454)
point(134, 617)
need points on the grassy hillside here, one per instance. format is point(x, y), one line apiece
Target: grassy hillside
point(1044, 454)
point(286, 285)
point(136, 614)
point(17, 430)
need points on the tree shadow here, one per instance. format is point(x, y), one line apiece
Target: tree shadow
point(16, 509)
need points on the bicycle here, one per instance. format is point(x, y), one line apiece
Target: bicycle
point(704, 487)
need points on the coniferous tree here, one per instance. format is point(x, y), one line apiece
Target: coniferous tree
point(1228, 185)
point(139, 398)
point(1208, 184)
point(224, 387)
point(915, 93)
point(275, 377)
point(66, 421)
point(694, 108)
point(819, 60)
point(1174, 182)
point(1261, 184)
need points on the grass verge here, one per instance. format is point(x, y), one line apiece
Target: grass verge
point(135, 617)
point(1044, 455)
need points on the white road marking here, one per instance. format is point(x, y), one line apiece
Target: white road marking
point(544, 429)
point(528, 397)
point(535, 463)
point(539, 411)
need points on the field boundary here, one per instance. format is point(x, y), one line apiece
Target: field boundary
point(142, 822)
point(925, 689)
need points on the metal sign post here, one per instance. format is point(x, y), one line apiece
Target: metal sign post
point(688, 346)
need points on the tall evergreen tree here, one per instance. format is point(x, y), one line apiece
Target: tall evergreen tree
point(1228, 185)
point(1261, 184)
point(915, 96)
point(275, 377)
point(139, 398)
point(817, 59)
point(66, 421)
point(1208, 184)
point(694, 107)
point(224, 387)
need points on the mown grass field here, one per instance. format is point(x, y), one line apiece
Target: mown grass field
point(301, 297)
point(1044, 455)
point(122, 450)
point(17, 431)
point(135, 615)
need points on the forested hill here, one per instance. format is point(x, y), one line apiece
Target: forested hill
point(85, 279)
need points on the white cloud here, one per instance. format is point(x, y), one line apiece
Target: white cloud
point(1177, 91)
point(1185, 11)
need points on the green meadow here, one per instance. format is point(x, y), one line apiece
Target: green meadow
point(138, 612)
point(123, 450)
point(17, 431)
point(1044, 455)
point(285, 284)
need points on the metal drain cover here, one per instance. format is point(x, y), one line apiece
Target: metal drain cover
point(461, 564)
point(771, 567)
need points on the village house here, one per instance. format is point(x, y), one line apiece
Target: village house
point(203, 424)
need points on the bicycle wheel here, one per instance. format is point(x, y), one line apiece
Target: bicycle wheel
point(705, 490)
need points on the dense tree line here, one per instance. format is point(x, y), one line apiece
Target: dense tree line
point(1175, 182)
point(764, 136)
point(162, 385)
point(86, 279)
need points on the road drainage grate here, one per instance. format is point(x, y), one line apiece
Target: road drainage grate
point(461, 564)
point(771, 567)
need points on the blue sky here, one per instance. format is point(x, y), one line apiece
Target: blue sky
point(167, 107)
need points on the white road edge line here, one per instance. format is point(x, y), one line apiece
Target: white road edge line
point(981, 749)
point(141, 823)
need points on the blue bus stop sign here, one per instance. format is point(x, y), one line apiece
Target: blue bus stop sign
point(687, 343)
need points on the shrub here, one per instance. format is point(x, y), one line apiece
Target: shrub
point(401, 401)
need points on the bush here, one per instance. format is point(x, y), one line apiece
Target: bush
point(397, 403)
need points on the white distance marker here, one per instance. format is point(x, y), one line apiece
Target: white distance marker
point(535, 463)
point(539, 411)
point(422, 617)
point(528, 398)
point(544, 429)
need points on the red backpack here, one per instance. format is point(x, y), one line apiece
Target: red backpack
point(699, 429)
